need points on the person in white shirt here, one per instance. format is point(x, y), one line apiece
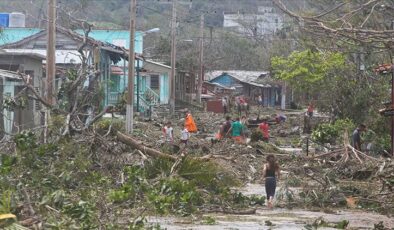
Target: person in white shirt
point(168, 132)
point(185, 135)
point(225, 105)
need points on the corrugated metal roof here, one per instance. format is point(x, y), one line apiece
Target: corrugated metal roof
point(158, 63)
point(10, 35)
point(62, 56)
point(10, 74)
point(27, 53)
point(255, 78)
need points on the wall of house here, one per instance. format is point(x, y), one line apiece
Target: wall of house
point(164, 89)
point(19, 118)
point(33, 67)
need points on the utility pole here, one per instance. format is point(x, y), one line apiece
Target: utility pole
point(173, 58)
point(200, 75)
point(392, 105)
point(131, 72)
point(50, 62)
point(51, 42)
point(392, 99)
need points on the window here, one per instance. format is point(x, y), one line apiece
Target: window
point(154, 81)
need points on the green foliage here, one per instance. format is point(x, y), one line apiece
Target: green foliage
point(175, 195)
point(25, 140)
point(6, 202)
point(136, 185)
point(257, 135)
point(329, 133)
point(7, 163)
point(209, 220)
point(159, 166)
point(206, 174)
point(103, 125)
point(322, 223)
point(15, 103)
point(83, 212)
point(305, 70)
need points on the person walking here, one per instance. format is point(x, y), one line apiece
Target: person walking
point(185, 135)
point(168, 133)
point(271, 174)
point(237, 131)
point(190, 125)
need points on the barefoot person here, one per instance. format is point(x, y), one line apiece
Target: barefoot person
point(271, 173)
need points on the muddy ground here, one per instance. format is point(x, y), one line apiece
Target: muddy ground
point(310, 187)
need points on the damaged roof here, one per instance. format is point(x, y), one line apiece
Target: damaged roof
point(10, 75)
point(116, 52)
point(256, 78)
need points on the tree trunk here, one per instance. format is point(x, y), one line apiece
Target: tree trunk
point(140, 146)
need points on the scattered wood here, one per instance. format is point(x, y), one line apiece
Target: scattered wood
point(348, 152)
point(140, 146)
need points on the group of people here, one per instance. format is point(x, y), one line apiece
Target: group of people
point(188, 127)
point(238, 129)
point(240, 103)
point(233, 129)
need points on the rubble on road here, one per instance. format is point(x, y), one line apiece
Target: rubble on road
point(323, 179)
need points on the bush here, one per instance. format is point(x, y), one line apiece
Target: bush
point(256, 136)
point(103, 125)
point(329, 133)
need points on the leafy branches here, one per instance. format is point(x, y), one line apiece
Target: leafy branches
point(307, 70)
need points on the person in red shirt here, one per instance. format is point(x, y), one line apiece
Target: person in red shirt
point(264, 128)
point(311, 107)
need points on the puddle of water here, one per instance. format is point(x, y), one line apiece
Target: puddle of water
point(282, 219)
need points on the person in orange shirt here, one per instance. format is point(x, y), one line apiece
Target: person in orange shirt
point(190, 125)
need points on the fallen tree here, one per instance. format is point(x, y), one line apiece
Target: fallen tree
point(140, 146)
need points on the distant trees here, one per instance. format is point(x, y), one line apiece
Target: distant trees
point(361, 31)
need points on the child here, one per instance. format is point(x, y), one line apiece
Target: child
point(168, 132)
point(271, 174)
point(185, 135)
